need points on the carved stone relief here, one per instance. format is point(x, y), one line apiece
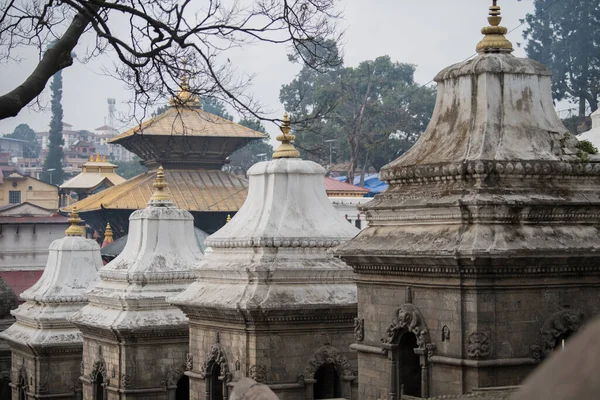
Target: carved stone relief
point(329, 355)
point(559, 324)
point(408, 319)
point(216, 355)
point(258, 373)
point(359, 329)
point(479, 345)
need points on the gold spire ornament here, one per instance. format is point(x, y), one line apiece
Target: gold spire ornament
point(75, 229)
point(494, 40)
point(160, 195)
point(286, 149)
point(228, 218)
point(184, 96)
point(108, 235)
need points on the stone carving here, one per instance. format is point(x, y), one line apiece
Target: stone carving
point(99, 367)
point(329, 355)
point(189, 362)
point(536, 352)
point(430, 347)
point(359, 329)
point(238, 365)
point(409, 319)
point(445, 334)
point(81, 368)
point(126, 381)
point(479, 345)
point(216, 355)
point(559, 324)
point(258, 373)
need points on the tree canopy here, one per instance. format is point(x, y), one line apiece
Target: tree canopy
point(53, 170)
point(257, 150)
point(155, 41)
point(565, 36)
point(24, 132)
point(372, 112)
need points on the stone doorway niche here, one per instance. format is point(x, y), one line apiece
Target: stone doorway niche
point(327, 385)
point(99, 387)
point(22, 386)
point(328, 373)
point(409, 366)
point(214, 384)
point(183, 388)
point(408, 347)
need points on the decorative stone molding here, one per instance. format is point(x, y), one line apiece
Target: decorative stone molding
point(478, 345)
point(474, 272)
point(216, 355)
point(476, 169)
point(329, 355)
point(557, 325)
point(258, 373)
point(409, 319)
point(300, 242)
point(359, 329)
point(430, 348)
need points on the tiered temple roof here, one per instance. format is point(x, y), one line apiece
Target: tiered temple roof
point(192, 145)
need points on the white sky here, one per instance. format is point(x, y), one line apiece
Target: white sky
point(431, 34)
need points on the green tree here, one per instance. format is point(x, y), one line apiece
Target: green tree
point(129, 169)
point(257, 150)
point(565, 36)
point(54, 158)
point(374, 112)
point(24, 132)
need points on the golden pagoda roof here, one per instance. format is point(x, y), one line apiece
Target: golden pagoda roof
point(93, 173)
point(190, 189)
point(189, 121)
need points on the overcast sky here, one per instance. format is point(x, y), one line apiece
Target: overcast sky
point(431, 34)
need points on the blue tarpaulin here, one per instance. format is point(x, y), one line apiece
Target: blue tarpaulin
point(372, 183)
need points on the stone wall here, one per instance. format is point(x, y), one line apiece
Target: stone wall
point(137, 369)
point(279, 356)
point(51, 374)
point(498, 323)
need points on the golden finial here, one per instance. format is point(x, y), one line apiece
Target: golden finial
point(108, 235)
point(184, 96)
point(160, 195)
point(75, 229)
point(286, 149)
point(92, 158)
point(494, 40)
point(228, 218)
point(103, 158)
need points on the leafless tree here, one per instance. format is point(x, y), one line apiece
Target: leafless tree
point(152, 38)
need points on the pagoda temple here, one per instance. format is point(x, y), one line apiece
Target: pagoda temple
point(96, 175)
point(482, 257)
point(271, 302)
point(192, 145)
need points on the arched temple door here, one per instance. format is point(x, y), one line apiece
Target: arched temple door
point(99, 387)
point(183, 388)
point(215, 385)
point(327, 385)
point(409, 366)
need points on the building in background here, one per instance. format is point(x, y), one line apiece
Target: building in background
point(14, 147)
point(26, 231)
point(346, 198)
point(192, 145)
point(16, 188)
point(96, 175)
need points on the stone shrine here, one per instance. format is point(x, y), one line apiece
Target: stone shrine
point(483, 255)
point(46, 348)
point(7, 303)
point(135, 344)
point(271, 302)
